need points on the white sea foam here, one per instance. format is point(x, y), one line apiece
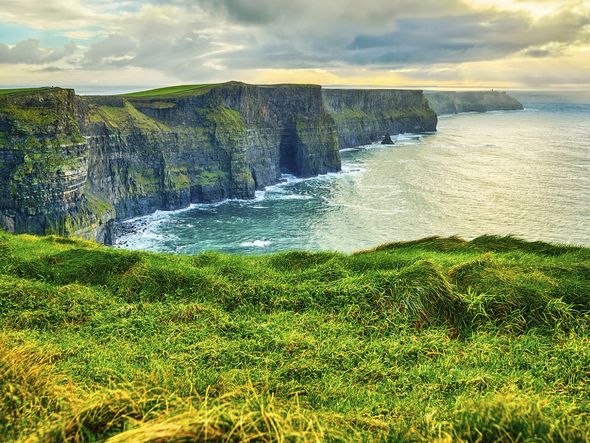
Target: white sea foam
point(292, 197)
point(406, 137)
point(409, 136)
point(256, 244)
point(143, 232)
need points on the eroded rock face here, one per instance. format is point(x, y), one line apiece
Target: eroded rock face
point(471, 101)
point(75, 165)
point(364, 116)
point(44, 168)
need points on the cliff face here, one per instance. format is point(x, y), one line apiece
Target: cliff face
point(44, 162)
point(226, 142)
point(471, 101)
point(74, 165)
point(365, 116)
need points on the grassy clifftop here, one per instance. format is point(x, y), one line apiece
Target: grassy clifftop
point(172, 91)
point(435, 339)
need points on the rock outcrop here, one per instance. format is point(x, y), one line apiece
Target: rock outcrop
point(471, 101)
point(74, 165)
point(387, 140)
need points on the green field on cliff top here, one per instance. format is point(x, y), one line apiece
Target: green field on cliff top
point(19, 90)
point(179, 90)
point(445, 339)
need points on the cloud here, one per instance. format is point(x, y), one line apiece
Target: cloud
point(49, 69)
point(252, 11)
point(167, 38)
point(30, 52)
point(385, 34)
point(201, 40)
point(114, 48)
point(538, 53)
point(462, 38)
point(70, 15)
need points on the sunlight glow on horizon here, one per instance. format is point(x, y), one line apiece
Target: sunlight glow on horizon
point(534, 8)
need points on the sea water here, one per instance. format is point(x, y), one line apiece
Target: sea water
point(523, 173)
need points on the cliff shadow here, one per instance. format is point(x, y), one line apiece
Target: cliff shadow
point(289, 149)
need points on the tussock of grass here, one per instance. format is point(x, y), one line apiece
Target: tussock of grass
point(256, 418)
point(29, 387)
point(514, 418)
point(434, 339)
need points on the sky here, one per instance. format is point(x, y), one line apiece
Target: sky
point(446, 44)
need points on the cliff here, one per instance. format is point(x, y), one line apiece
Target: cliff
point(74, 165)
point(365, 116)
point(471, 101)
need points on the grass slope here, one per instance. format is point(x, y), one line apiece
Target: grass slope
point(19, 90)
point(178, 91)
point(442, 339)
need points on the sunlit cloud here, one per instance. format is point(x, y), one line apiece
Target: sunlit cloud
point(442, 43)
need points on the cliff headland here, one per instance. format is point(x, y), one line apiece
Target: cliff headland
point(471, 101)
point(75, 165)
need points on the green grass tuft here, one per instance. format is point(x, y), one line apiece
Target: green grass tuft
point(125, 118)
point(437, 339)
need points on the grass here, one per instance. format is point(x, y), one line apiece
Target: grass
point(126, 118)
point(437, 339)
point(29, 118)
point(346, 115)
point(184, 90)
point(172, 91)
point(19, 90)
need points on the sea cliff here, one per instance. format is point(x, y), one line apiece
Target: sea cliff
point(471, 101)
point(74, 165)
point(365, 116)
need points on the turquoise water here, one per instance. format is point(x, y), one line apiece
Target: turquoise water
point(525, 173)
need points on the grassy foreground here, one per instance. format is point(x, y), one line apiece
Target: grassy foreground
point(438, 339)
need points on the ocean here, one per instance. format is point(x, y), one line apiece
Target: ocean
point(522, 173)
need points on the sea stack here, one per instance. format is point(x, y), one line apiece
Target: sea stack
point(387, 140)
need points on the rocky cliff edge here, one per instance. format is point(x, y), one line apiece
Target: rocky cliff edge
point(74, 165)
